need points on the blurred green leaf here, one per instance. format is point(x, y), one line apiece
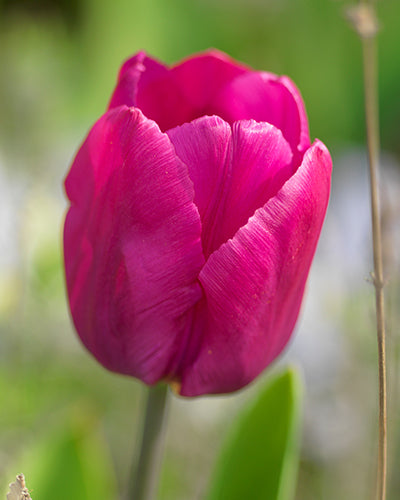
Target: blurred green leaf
point(70, 462)
point(260, 457)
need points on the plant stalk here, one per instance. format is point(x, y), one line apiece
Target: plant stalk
point(143, 481)
point(372, 130)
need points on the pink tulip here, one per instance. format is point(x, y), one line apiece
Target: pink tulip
point(197, 201)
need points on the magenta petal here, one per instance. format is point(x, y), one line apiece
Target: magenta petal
point(254, 283)
point(261, 164)
point(266, 97)
point(201, 78)
point(173, 96)
point(234, 171)
point(132, 246)
point(136, 73)
point(204, 145)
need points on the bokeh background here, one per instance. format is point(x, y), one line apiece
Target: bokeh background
point(65, 421)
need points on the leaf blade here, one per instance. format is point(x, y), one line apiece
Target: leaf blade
point(259, 458)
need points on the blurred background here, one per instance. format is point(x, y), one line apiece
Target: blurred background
point(65, 422)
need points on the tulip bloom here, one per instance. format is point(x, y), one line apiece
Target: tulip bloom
point(197, 201)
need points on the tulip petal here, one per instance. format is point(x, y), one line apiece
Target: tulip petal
point(202, 77)
point(173, 96)
point(132, 246)
point(136, 73)
point(253, 284)
point(235, 170)
point(265, 97)
point(205, 146)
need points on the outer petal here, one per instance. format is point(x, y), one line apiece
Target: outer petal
point(177, 95)
point(254, 283)
point(234, 171)
point(132, 246)
point(269, 98)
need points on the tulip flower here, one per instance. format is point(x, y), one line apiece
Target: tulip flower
point(197, 201)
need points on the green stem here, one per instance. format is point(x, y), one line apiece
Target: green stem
point(144, 479)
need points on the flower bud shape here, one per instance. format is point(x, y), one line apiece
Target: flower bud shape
point(196, 203)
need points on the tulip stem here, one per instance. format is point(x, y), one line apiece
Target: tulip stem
point(367, 28)
point(144, 478)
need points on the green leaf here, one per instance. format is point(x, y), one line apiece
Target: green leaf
point(260, 457)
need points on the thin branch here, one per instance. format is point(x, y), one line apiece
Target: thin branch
point(365, 23)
